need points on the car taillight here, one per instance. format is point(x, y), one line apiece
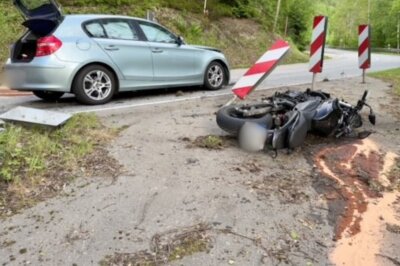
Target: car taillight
point(47, 46)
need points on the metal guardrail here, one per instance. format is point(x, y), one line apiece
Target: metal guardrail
point(376, 50)
point(386, 50)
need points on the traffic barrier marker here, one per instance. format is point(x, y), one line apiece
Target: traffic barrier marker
point(317, 49)
point(260, 70)
point(364, 48)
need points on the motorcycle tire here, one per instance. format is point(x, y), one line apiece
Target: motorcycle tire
point(231, 121)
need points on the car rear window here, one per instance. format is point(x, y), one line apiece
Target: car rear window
point(120, 30)
point(112, 29)
point(95, 29)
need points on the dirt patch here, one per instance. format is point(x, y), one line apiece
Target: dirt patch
point(394, 176)
point(7, 243)
point(166, 247)
point(252, 167)
point(288, 188)
point(100, 163)
point(211, 142)
point(37, 163)
point(393, 228)
point(15, 197)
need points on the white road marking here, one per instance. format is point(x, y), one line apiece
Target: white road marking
point(182, 99)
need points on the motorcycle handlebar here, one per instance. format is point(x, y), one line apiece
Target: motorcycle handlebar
point(365, 95)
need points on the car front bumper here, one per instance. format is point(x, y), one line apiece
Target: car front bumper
point(40, 74)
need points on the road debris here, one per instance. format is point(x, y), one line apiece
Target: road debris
point(167, 247)
point(393, 228)
point(35, 116)
point(210, 142)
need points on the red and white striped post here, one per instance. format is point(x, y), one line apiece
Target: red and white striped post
point(364, 48)
point(318, 46)
point(260, 70)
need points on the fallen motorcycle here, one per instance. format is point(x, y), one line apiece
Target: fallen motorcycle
point(283, 120)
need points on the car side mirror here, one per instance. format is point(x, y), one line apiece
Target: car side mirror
point(180, 40)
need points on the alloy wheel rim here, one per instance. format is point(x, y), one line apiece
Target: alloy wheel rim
point(97, 85)
point(215, 76)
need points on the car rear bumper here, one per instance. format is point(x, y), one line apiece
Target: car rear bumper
point(40, 74)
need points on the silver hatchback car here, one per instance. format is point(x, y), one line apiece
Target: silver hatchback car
point(96, 56)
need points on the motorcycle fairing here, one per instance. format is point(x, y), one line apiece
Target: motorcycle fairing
point(279, 140)
point(298, 131)
point(327, 124)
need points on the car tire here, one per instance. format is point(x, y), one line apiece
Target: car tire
point(94, 85)
point(229, 120)
point(215, 76)
point(48, 96)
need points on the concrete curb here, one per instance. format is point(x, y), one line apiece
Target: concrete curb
point(5, 92)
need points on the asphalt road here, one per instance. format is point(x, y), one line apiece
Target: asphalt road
point(342, 64)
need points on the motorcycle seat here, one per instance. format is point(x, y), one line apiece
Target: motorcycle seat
point(308, 108)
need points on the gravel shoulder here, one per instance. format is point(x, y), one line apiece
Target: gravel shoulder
point(258, 210)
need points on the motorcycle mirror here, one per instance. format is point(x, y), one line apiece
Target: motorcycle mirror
point(364, 134)
point(372, 118)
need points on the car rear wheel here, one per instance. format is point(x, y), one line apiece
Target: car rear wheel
point(49, 96)
point(215, 76)
point(94, 84)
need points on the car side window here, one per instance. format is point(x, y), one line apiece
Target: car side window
point(119, 29)
point(156, 33)
point(95, 29)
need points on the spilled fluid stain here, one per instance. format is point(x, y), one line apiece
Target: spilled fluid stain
point(358, 169)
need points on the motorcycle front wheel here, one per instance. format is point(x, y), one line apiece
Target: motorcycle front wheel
point(232, 118)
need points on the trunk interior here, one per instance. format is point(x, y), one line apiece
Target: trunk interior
point(24, 49)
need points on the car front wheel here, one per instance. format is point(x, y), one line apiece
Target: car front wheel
point(215, 76)
point(48, 96)
point(94, 84)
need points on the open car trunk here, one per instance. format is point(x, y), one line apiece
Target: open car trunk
point(42, 17)
point(24, 49)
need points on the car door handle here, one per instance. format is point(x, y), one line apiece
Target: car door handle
point(157, 51)
point(111, 48)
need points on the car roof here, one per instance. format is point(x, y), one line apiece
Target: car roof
point(100, 16)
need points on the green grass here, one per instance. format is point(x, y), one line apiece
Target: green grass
point(29, 153)
point(36, 163)
point(391, 76)
point(10, 28)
